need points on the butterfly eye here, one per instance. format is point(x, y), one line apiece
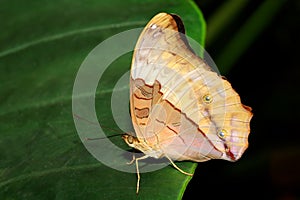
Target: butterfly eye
point(222, 133)
point(130, 139)
point(207, 98)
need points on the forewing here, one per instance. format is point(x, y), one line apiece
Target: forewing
point(166, 71)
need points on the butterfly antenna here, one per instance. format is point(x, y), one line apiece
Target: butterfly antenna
point(81, 118)
point(95, 123)
point(100, 138)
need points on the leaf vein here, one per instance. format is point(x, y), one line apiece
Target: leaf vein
point(47, 172)
point(54, 101)
point(67, 34)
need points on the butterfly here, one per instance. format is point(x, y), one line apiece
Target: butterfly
point(180, 108)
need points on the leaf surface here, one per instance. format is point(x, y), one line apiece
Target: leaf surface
point(43, 44)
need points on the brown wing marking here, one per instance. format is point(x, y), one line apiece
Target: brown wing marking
point(141, 113)
point(165, 126)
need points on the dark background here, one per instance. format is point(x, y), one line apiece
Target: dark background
point(267, 77)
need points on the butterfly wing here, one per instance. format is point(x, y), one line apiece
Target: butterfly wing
point(178, 104)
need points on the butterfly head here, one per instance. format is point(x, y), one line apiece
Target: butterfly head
point(142, 146)
point(130, 140)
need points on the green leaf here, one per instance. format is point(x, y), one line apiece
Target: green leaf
point(43, 44)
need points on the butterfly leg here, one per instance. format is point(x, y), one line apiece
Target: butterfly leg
point(138, 172)
point(176, 167)
point(133, 159)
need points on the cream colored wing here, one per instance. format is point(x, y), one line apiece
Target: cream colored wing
point(165, 71)
point(166, 129)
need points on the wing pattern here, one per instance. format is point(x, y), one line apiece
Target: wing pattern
point(178, 104)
